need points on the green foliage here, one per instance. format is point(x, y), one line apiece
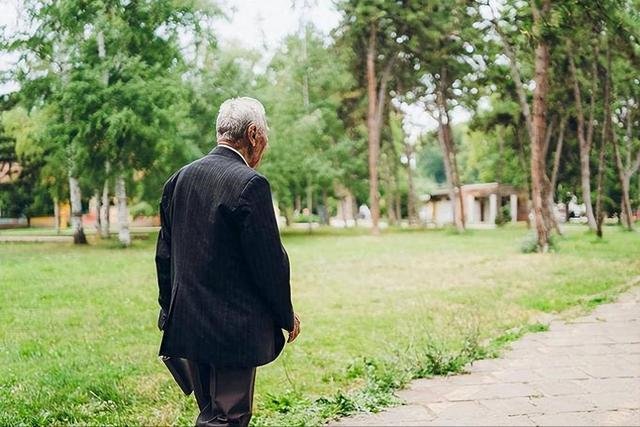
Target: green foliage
point(504, 215)
point(94, 112)
point(303, 90)
point(494, 347)
point(141, 209)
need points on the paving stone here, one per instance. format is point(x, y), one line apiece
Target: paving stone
point(420, 396)
point(567, 373)
point(463, 410)
point(543, 361)
point(609, 385)
point(399, 416)
point(583, 372)
point(486, 365)
point(559, 387)
point(548, 405)
point(467, 379)
point(611, 371)
point(616, 418)
point(483, 421)
point(564, 419)
point(510, 407)
point(505, 390)
point(616, 400)
point(516, 375)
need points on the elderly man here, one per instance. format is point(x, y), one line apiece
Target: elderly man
point(223, 274)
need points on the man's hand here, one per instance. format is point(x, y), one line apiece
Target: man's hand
point(296, 329)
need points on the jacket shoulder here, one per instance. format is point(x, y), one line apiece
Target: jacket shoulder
point(170, 184)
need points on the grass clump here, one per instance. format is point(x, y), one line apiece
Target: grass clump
point(377, 379)
point(529, 244)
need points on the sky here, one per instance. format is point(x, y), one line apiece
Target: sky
point(256, 24)
point(259, 25)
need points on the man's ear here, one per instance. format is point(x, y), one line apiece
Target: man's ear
point(252, 133)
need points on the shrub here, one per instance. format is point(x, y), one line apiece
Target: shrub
point(141, 209)
point(504, 215)
point(529, 244)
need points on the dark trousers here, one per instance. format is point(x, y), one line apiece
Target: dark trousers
point(224, 395)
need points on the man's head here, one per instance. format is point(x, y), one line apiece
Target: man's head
point(242, 123)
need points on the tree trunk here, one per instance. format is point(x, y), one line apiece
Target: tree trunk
point(325, 203)
point(123, 212)
point(288, 213)
point(625, 171)
point(522, 158)
point(310, 206)
point(585, 182)
point(374, 142)
point(411, 197)
point(75, 198)
point(391, 215)
point(500, 164)
point(538, 139)
point(298, 204)
point(556, 158)
point(104, 211)
point(449, 174)
point(56, 214)
point(627, 216)
point(104, 205)
point(376, 94)
point(514, 69)
point(448, 152)
point(599, 211)
point(606, 133)
point(585, 140)
point(96, 195)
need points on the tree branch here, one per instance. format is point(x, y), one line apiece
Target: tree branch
point(515, 75)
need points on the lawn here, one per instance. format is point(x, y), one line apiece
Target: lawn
point(78, 341)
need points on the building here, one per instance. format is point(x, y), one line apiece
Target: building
point(481, 203)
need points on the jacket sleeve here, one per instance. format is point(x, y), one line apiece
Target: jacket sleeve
point(264, 254)
point(163, 253)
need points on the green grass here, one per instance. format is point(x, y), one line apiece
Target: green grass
point(78, 341)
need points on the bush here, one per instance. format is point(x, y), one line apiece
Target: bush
point(141, 209)
point(529, 244)
point(504, 215)
point(305, 219)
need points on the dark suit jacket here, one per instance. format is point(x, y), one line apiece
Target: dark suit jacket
point(223, 274)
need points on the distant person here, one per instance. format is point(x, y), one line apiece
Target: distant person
point(223, 274)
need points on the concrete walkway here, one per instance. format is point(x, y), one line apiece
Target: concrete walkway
point(586, 372)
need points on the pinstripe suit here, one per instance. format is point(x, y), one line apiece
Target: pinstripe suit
point(223, 274)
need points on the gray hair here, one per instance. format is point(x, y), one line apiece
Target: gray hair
point(235, 116)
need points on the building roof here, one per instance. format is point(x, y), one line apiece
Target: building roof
point(478, 189)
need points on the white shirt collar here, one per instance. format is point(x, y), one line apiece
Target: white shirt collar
point(235, 151)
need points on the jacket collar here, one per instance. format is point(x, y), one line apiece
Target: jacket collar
point(229, 152)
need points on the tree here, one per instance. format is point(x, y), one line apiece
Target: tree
point(113, 83)
point(585, 136)
point(534, 117)
point(379, 31)
point(303, 91)
point(625, 118)
point(448, 74)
